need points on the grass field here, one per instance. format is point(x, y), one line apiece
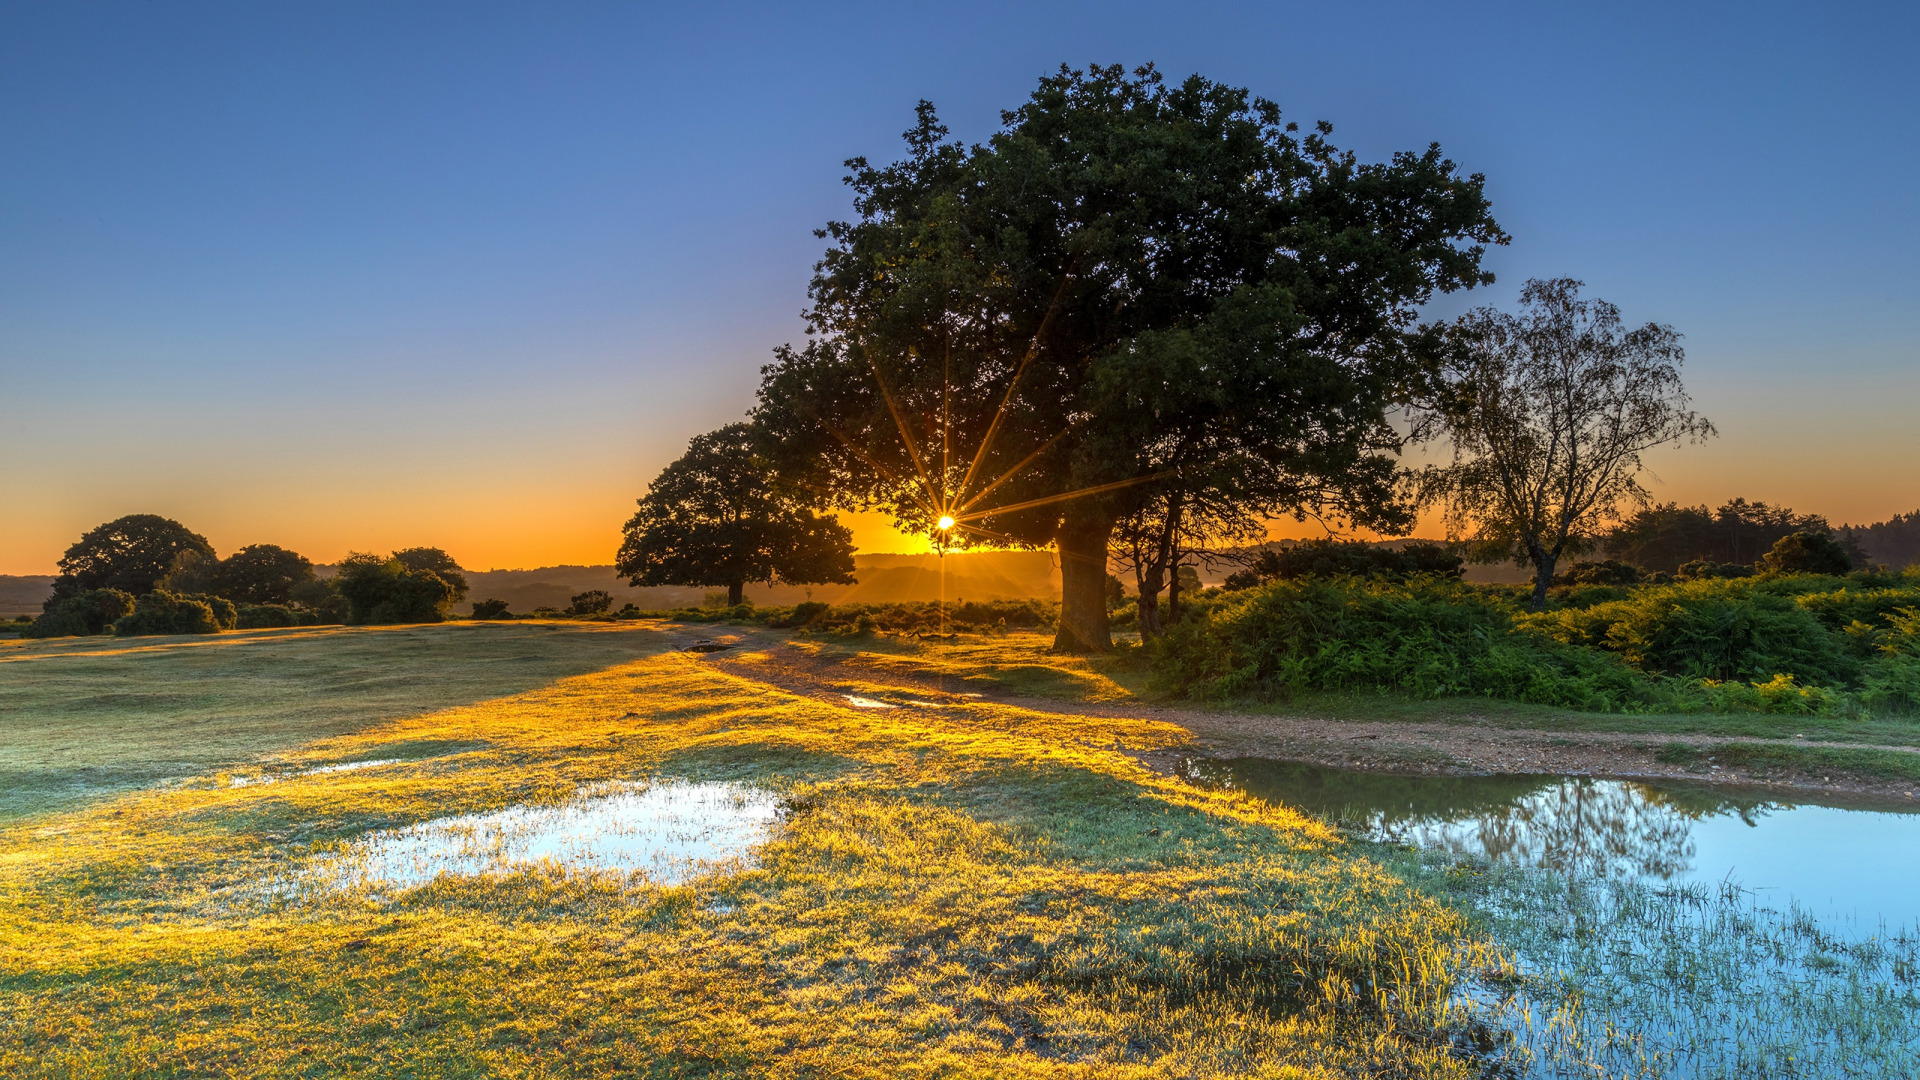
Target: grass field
point(81, 718)
point(960, 889)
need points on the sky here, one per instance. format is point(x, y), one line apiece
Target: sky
point(364, 276)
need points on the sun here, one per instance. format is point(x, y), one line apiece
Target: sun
point(946, 522)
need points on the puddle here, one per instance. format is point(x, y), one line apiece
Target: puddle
point(1834, 860)
point(667, 831)
point(859, 702)
point(345, 766)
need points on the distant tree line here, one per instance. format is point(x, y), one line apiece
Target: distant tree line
point(147, 574)
point(1895, 542)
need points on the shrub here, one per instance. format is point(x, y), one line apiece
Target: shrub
point(805, 613)
point(591, 602)
point(266, 616)
point(1892, 684)
point(1780, 694)
point(1428, 637)
point(1605, 572)
point(85, 613)
point(1707, 568)
point(1807, 552)
point(490, 609)
point(262, 574)
point(1729, 631)
point(161, 612)
point(1844, 609)
point(386, 591)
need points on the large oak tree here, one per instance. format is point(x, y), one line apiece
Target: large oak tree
point(131, 554)
point(714, 518)
point(1130, 285)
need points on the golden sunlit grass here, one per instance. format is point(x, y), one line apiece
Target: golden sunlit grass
point(1018, 662)
point(960, 890)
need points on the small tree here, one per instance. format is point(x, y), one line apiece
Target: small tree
point(1807, 553)
point(129, 554)
point(262, 574)
point(386, 590)
point(592, 602)
point(438, 562)
point(713, 518)
point(1548, 412)
point(490, 609)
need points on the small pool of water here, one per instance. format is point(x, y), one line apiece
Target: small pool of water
point(1854, 865)
point(667, 831)
point(345, 766)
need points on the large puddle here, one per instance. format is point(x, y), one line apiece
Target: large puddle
point(666, 831)
point(1851, 865)
point(1662, 929)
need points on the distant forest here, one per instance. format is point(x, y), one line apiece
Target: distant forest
point(1664, 537)
point(1895, 542)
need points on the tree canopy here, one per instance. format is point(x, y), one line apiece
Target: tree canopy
point(713, 518)
point(438, 562)
point(1131, 286)
point(1548, 412)
point(262, 574)
point(1807, 553)
point(129, 554)
point(387, 590)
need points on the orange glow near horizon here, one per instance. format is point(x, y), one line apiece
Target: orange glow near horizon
point(497, 520)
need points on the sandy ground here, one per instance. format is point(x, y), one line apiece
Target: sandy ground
point(1462, 747)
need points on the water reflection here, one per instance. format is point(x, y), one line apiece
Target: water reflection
point(1611, 829)
point(667, 831)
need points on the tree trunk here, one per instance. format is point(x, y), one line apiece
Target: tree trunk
point(1543, 564)
point(1083, 586)
point(735, 593)
point(1150, 583)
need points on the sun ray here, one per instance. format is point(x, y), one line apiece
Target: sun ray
point(1010, 473)
point(1062, 497)
point(900, 422)
point(986, 532)
point(1013, 384)
point(924, 504)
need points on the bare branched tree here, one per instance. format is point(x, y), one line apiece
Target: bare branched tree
point(1548, 412)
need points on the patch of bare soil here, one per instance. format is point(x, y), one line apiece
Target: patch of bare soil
point(1463, 747)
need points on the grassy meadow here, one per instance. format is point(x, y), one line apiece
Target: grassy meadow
point(957, 888)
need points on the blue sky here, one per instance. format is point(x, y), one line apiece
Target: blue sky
point(359, 276)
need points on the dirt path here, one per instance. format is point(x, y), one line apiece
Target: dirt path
point(1457, 748)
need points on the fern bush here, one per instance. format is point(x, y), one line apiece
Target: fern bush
point(1786, 644)
point(1427, 637)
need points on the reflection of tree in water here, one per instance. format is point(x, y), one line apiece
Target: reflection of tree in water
point(1591, 828)
point(1588, 827)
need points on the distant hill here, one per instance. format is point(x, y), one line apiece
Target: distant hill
point(23, 594)
point(881, 579)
